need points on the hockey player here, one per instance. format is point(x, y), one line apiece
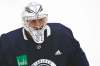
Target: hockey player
point(39, 43)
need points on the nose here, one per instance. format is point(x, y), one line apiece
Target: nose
point(36, 24)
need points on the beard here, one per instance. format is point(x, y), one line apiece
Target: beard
point(38, 35)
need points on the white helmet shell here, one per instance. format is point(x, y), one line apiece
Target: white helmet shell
point(33, 11)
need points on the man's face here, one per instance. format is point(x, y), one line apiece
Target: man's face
point(37, 24)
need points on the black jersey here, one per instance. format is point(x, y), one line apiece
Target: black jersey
point(59, 49)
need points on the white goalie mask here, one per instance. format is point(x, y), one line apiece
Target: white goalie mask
point(35, 22)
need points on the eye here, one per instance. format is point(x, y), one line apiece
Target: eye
point(33, 21)
point(40, 20)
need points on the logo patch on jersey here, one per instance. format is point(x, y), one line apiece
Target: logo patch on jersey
point(58, 52)
point(22, 60)
point(43, 62)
